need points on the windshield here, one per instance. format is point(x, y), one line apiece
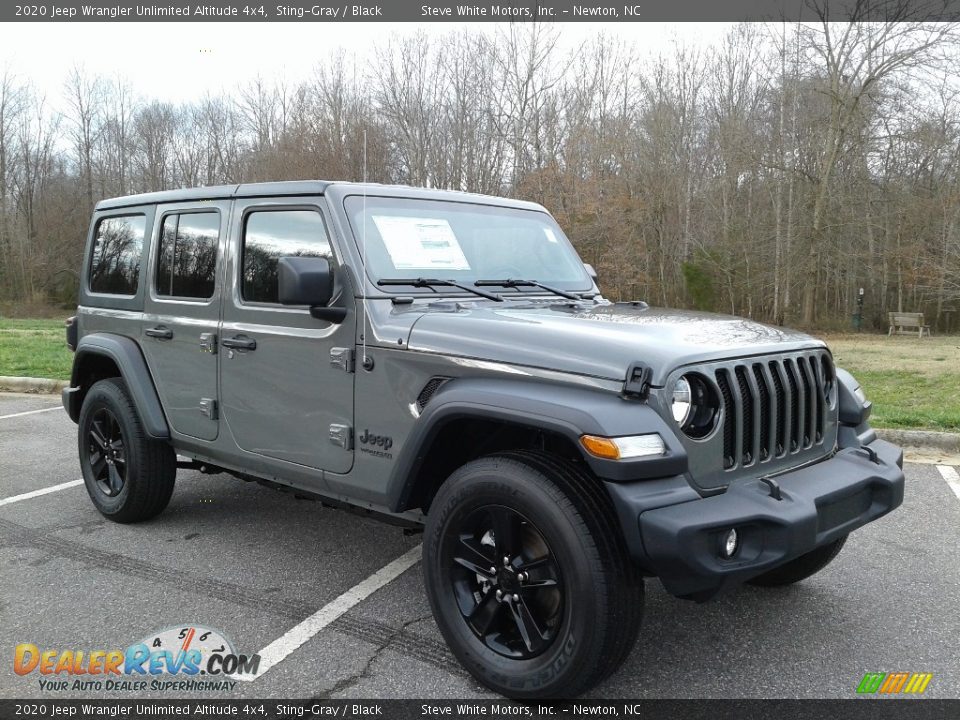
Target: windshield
point(409, 238)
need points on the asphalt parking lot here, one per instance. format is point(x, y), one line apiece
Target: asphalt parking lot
point(255, 563)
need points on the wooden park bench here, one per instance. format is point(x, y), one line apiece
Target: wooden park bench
point(903, 323)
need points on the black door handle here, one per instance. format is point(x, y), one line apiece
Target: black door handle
point(161, 333)
point(239, 342)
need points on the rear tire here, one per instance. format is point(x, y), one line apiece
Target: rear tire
point(543, 533)
point(802, 567)
point(129, 475)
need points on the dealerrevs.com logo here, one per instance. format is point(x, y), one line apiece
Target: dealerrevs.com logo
point(185, 658)
point(895, 683)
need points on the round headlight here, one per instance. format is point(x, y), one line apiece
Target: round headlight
point(695, 405)
point(681, 402)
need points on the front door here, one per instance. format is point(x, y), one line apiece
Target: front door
point(182, 312)
point(283, 398)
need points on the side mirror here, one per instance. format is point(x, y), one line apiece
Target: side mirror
point(308, 281)
point(592, 273)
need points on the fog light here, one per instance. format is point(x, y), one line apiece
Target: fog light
point(730, 544)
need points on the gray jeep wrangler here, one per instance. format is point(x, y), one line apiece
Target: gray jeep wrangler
point(446, 361)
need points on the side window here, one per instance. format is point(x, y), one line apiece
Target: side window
point(187, 255)
point(115, 260)
point(272, 234)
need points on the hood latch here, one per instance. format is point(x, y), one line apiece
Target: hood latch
point(637, 384)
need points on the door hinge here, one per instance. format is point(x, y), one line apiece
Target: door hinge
point(208, 343)
point(341, 436)
point(208, 407)
point(342, 358)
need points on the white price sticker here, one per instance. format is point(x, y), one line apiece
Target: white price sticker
point(421, 243)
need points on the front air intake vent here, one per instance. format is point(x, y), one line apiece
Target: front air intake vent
point(433, 384)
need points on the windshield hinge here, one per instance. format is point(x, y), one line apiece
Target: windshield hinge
point(637, 384)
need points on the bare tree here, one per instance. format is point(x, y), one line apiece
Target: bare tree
point(84, 97)
point(154, 127)
point(526, 63)
point(12, 102)
point(119, 108)
point(856, 58)
point(258, 103)
point(31, 185)
point(409, 86)
point(803, 162)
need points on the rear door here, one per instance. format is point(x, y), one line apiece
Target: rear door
point(283, 395)
point(182, 312)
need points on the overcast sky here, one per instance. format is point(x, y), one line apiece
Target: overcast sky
point(184, 61)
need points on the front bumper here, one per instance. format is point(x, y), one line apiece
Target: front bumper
point(680, 541)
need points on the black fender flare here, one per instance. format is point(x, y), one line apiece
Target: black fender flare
point(562, 409)
point(854, 416)
point(852, 411)
point(127, 356)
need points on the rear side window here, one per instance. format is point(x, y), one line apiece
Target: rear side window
point(273, 234)
point(115, 260)
point(187, 255)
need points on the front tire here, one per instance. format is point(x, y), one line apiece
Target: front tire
point(129, 475)
point(528, 576)
point(802, 567)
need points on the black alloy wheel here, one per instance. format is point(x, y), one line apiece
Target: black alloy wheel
point(506, 581)
point(129, 475)
point(528, 575)
point(107, 458)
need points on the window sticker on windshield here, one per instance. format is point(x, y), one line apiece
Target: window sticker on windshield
point(550, 236)
point(421, 243)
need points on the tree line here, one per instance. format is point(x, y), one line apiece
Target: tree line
point(772, 175)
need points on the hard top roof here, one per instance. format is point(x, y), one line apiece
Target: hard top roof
point(218, 192)
point(298, 187)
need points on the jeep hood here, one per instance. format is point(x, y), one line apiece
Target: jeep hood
point(599, 341)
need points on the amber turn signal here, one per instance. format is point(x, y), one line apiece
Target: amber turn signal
point(600, 447)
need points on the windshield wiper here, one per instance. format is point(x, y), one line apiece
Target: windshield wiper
point(432, 282)
point(510, 283)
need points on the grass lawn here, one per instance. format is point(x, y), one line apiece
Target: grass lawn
point(912, 383)
point(34, 348)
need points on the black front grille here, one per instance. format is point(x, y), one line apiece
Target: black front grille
point(796, 406)
point(772, 409)
point(729, 455)
point(748, 402)
point(780, 410)
point(765, 448)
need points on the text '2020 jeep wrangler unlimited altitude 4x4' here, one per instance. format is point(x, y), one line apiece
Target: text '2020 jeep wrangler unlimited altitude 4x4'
point(446, 359)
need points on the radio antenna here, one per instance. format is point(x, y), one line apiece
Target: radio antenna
point(363, 253)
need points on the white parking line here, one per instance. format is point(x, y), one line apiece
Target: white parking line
point(299, 634)
point(31, 412)
point(952, 478)
point(41, 491)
